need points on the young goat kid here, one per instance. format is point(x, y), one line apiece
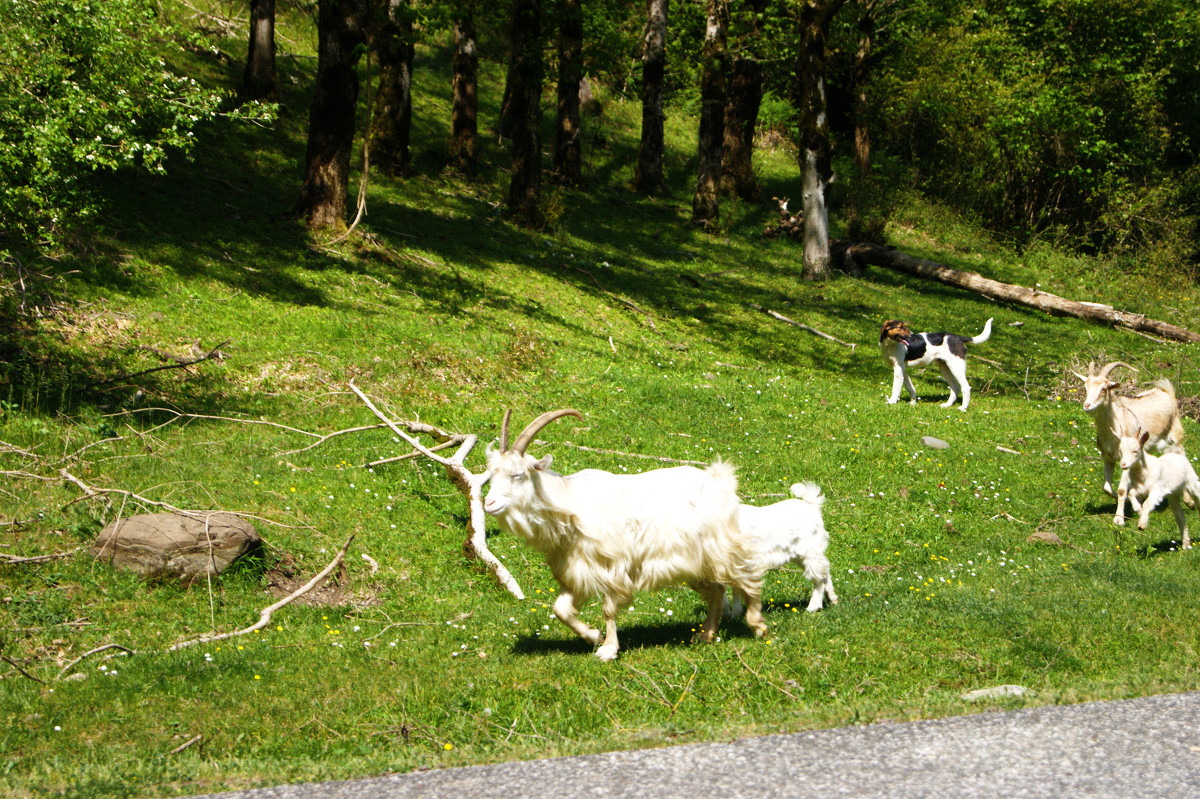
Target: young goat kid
point(1169, 475)
point(614, 534)
point(791, 531)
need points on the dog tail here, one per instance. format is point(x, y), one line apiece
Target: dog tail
point(984, 336)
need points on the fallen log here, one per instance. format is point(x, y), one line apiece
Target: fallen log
point(874, 255)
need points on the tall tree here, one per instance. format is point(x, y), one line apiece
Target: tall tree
point(524, 111)
point(258, 81)
point(706, 208)
point(464, 114)
point(741, 110)
point(741, 120)
point(568, 150)
point(816, 149)
point(391, 118)
point(648, 177)
point(341, 34)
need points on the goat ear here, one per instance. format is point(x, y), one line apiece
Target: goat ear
point(1143, 438)
point(1081, 377)
point(544, 463)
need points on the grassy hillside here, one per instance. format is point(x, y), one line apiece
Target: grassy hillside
point(440, 311)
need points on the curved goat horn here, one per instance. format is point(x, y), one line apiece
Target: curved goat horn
point(1108, 367)
point(537, 424)
point(504, 430)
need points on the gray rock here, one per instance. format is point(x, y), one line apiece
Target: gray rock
point(998, 692)
point(173, 546)
point(934, 443)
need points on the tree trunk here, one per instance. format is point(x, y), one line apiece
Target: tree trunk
point(648, 179)
point(816, 150)
point(341, 33)
point(568, 150)
point(868, 254)
point(525, 84)
point(741, 119)
point(258, 81)
point(706, 203)
point(862, 71)
point(465, 99)
point(391, 119)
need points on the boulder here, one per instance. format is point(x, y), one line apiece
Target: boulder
point(175, 546)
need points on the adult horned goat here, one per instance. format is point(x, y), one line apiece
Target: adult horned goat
point(1155, 411)
point(614, 534)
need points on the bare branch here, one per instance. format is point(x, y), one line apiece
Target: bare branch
point(265, 616)
point(468, 484)
point(91, 652)
point(13, 560)
point(17, 666)
point(194, 740)
point(215, 352)
point(794, 323)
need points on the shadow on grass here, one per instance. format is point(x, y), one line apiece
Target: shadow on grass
point(632, 637)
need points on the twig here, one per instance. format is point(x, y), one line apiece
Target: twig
point(794, 323)
point(265, 615)
point(25, 475)
point(398, 458)
point(180, 415)
point(17, 666)
point(16, 449)
point(90, 492)
point(738, 652)
point(13, 560)
point(90, 652)
point(215, 352)
point(194, 740)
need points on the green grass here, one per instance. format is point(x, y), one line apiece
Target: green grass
point(445, 313)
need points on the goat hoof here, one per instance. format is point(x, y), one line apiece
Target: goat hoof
point(1119, 521)
point(606, 654)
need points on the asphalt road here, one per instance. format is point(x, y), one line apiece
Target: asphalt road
point(1140, 748)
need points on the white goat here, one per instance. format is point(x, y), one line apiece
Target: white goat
point(1155, 411)
point(1170, 475)
point(791, 531)
point(614, 534)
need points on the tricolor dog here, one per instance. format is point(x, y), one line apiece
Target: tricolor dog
point(904, 349)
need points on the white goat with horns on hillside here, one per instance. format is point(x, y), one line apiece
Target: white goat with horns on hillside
point(1155, 411)
point(614, 534)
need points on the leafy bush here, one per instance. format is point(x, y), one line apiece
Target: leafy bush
point(84, 88)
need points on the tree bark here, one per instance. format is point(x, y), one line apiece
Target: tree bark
point(568, 150)
point(862, 72)
point(464, 93)
point(873, 255)
point(341, 33)
point(816, 150)
point(706, 202)
point(525, 85)
point(258, 81)
point(648, 178)
point(741, 119)
point(391, 118)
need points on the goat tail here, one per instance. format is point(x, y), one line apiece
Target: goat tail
point(984, 336)
point(724, 473)
point(1165, 385)
point(809, 492)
